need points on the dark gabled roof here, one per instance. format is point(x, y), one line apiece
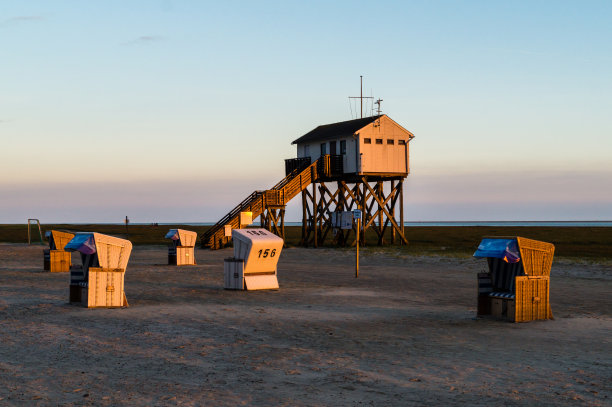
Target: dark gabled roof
point(336, 130)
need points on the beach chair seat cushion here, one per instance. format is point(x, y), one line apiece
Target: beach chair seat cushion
point(506, 295)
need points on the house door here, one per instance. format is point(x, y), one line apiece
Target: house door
point(332, 148)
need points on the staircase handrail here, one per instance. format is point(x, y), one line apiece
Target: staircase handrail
point(224, 220)
point(292, 175)
point(248, 201)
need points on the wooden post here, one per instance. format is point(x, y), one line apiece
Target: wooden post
point(304, 220)
point(357, 251)
point(379, 190)
point(340, 206)
point(393, 210)
point(315, 215)
point(400, 185)
point(364, 210)
point(282, 221)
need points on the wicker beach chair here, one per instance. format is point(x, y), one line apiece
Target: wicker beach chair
point(99, 281)
point(181, 251)
point(517, 284)
point(55, 258)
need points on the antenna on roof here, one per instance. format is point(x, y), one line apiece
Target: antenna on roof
point(361, 97)
point(377, 103)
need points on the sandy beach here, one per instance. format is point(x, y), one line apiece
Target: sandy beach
point(403, 333)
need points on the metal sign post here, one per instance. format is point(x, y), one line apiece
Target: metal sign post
point(357, 217)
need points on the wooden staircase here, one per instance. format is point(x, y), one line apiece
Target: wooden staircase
point(259, 201)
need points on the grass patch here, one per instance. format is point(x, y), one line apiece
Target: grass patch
point(585, 243)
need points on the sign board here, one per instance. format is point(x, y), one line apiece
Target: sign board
point(347, 220)
point(357, 214)
point(246, 218)
point(342, 220)
point(334, 220)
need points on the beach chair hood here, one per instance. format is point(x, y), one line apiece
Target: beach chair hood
point(57, 239)
point(505, 249)
point(184, 237)
point(83, 243)
point(172, 234)
point(535, 256)
point(112, 252)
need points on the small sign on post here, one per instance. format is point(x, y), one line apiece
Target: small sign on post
point(246, 218)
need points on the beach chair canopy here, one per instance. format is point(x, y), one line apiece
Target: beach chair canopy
point(112, 252)
point(172, 234)
point(184, 237)
point(505, 249)
point(536, 257)
point(82, 242)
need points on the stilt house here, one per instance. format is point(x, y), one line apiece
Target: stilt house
point(373, 145)
point(370, 154)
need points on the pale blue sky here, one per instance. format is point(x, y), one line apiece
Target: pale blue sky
point(176, 110)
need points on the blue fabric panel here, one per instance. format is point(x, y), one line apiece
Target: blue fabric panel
point(506, 249)
point(172, 234)
point(82, 242)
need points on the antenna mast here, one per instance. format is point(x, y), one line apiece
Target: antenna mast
point(361, 97)
point(378, 108)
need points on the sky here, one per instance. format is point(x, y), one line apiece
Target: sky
point(174, 111)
